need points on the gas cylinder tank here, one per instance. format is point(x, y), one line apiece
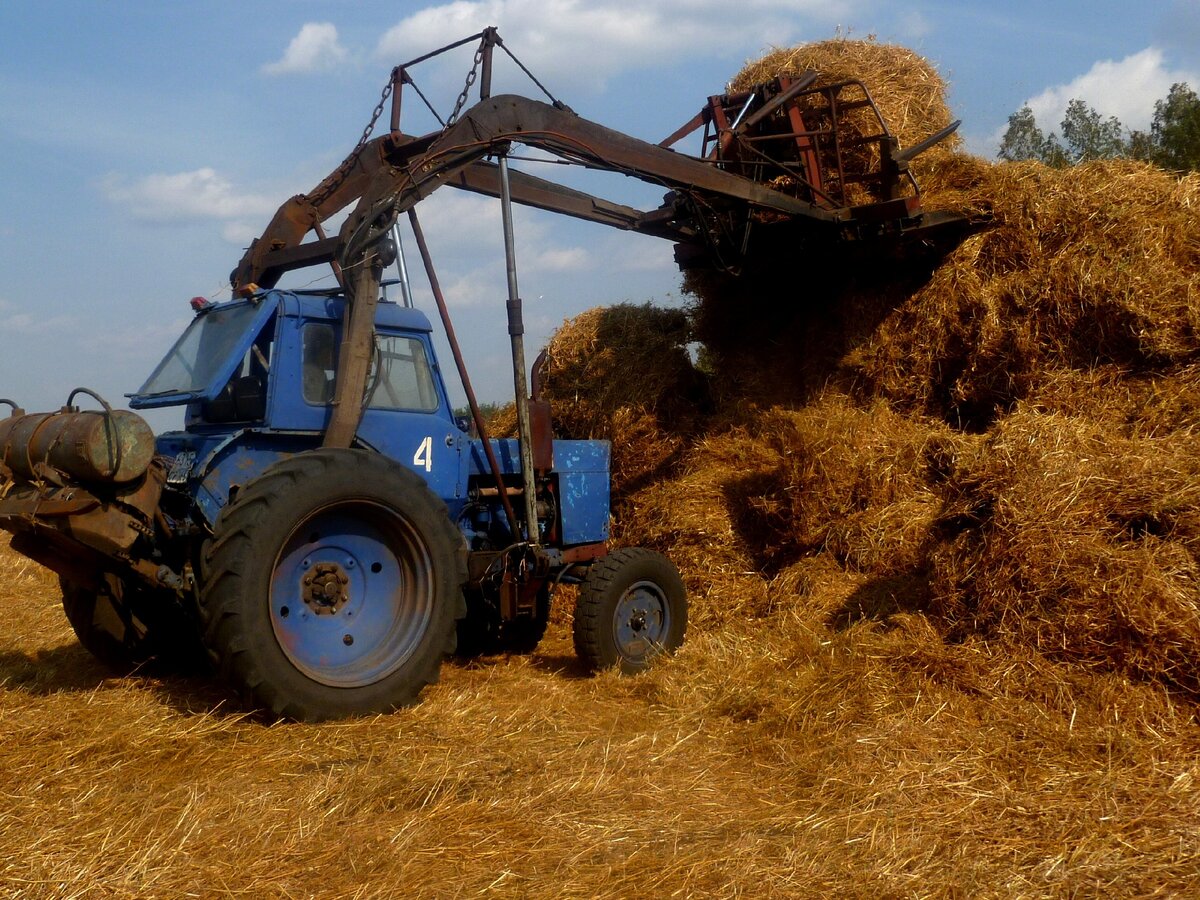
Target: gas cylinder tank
point(89, 445)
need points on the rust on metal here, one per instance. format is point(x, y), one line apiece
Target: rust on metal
point(393, 172)
point(90, 446)
point(585, 553)
point(72, 522)
point(461, 364)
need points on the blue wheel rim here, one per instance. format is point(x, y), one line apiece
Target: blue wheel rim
point(352, 594)
point(641, 621)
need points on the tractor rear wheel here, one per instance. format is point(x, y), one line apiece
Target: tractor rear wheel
point(333, 585)
point(125, 624)
point(104, 624)
point(631, 609)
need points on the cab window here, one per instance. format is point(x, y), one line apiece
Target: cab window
point(400, 376)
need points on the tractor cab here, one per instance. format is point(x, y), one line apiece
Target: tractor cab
point(270, 361)
point(256, 379)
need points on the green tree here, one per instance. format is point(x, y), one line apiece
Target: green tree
point(1142, 146)
point(1023, 140)
point(1172, 142)
point(1054, 154)
point(1175, 132)
point(1086, 136)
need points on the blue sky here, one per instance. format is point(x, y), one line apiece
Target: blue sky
point(144, 144)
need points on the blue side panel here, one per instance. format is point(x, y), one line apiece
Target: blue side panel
point(227, 461)
point(508, 455)
point(430, 445)
point(583, 483)
point(583, 487)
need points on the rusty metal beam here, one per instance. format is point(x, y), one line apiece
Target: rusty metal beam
point(392, 173)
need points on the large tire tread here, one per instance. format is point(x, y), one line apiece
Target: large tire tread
point(602, 589)
point(228, 561)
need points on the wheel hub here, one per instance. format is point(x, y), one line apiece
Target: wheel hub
point(325, 588)
point(641, 620)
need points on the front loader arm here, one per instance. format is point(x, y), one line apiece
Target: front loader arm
point(277, 250)
point(392, 173)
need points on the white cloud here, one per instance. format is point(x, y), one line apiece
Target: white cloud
point(146, 343)
point(314, 49)
point(580, 42)
point(560, 259)
point(26, 323)
point(454, 219)
point(241, 232)
point(637, 253)
point(479, 288)
point(1126, 89)
point(186, 197)
point(914, 26)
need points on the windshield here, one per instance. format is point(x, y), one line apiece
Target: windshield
point(202, 351)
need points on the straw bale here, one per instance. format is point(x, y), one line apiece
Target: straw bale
point(955, 181)
point(1062, 536)
point(907, 89)
point(946, 738)
point(859, 483)
point(1143, 404)
point(501, 422)
point(772, 757)
point(692, 516)
point(778, 334)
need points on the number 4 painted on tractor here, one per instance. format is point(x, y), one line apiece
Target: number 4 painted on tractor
point(423, 458)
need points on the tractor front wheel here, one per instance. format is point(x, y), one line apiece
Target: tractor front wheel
point(631, 609)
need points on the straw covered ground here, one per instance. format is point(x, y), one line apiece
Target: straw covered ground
point(941, 533)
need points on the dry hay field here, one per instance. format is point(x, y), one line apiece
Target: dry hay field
point(941, 532)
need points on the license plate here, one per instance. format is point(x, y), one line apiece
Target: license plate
point(181, 467)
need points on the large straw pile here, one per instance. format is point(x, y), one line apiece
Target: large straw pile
point(906, 88)
point(1091, 268)
point(620, 356)
point(623, 373)
point(778, 758)
point(1003, 444)
point(779, 331)
point(1063, 535)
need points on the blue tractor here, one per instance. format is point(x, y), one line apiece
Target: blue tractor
point(324, 581)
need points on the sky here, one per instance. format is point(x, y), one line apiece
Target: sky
point(144, 144)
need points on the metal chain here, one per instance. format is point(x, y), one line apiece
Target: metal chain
point(348, 163)
point(343, 170)
point(471, 76)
